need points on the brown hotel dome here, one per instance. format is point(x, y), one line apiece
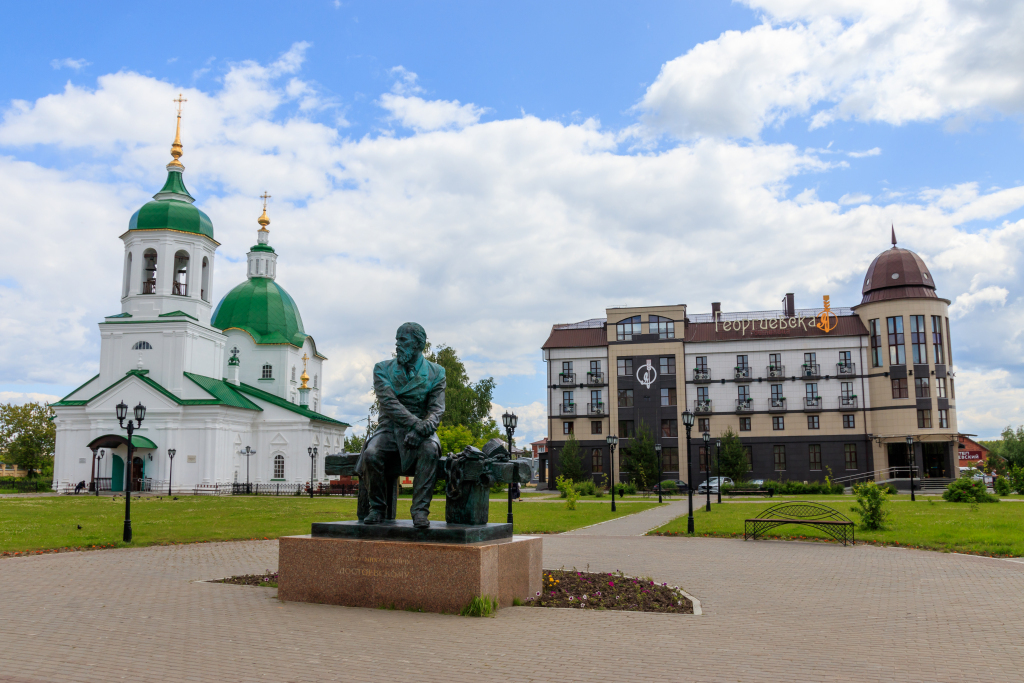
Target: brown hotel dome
point(897, 274)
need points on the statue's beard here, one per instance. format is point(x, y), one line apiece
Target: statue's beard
point(405, 356)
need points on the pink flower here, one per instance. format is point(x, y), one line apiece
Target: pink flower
point(611, 583)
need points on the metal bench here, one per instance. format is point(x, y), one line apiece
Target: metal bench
point(768, 493)
point(821, 517)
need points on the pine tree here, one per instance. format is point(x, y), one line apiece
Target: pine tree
point(640, 459)
point(732, 459)
point(570, 463)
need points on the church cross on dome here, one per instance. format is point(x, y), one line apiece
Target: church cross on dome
point(304, 377)
point(176, 145)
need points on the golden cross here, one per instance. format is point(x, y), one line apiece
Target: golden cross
point(265, 197)
point(304, 359)
point(179, 101)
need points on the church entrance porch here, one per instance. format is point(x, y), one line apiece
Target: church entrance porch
point(115, 442)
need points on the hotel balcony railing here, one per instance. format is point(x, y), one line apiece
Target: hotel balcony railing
point(812, 403)
point(776, 371)
point(702, 407)
point(742, 373)
point(777, 404)
point(567, 409)
point(595, 409)
point(847, 402)
point(596, 378)
point(846, 368)
point(567, 378)
point(700, 375)
point(744, 406)
point(810, 371)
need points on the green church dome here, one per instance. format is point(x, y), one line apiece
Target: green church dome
point(262, 308)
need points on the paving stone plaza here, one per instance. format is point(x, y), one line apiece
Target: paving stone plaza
point(772, 611)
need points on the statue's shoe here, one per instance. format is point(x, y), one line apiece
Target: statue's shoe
point(420, 521)
point(373, 517)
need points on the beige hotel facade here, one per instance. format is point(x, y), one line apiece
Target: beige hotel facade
point(811, 393)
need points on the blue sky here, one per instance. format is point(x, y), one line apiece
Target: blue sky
point(576, 147)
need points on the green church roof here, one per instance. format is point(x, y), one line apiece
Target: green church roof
point(172, 210)
point(262, 308)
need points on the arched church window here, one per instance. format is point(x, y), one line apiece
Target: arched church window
point(204, 292)
point(180, 285)
point(149, 271)
point(127, 275)
point(268, 371)
point(278, 467)
point(141, 345)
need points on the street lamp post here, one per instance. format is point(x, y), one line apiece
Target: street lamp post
point(913, 462)
point(170, 475)
point(688, 422)
point(312, 464)
point(707, 467)
point(248, 453)
point(657, 449)
point(718, 473)
point(122, 415)
point(612, 442)
point(509, 420)
point(95, 468)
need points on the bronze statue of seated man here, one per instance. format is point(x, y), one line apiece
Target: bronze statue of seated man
point(410, 391)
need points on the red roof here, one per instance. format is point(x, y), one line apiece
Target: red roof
point(846, 326)
point(561, 338)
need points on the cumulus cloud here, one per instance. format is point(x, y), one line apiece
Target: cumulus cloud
point(968, 301)
point(20, 398)
point(854, 198)
point(68, 63)
point(873, 152)
point(411, 111)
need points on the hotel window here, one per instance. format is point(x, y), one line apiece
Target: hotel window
point(846, 391)
point(670, 459)
point(876, 343)
point(668, 396)
point(812, 422)
point(849, 422)
point(924, 419)
point(665, 328)
point(567, 399)
point(850, 451)
point(744, 424)
point(701, 364)
point(625, 398)
point(814, 456)
point(596, 460)
point(595, 399)
point(741, 363)
point(702, 394)
point(743, 393)
point(810, 359)
point(844, 359)
point(776, 392)
point(667, 365)
point(704, 424)
point(625, 366)
point(940, 356)
point(778, 423)
point(749, 452)
point(812, 392)
point(775, 361)
point(268, 371)
point(627, 429)
point(278, 467)
point(702, 459)
point(921, 387)
point(897, 350)
point(669, 428)
point(566, 367)
point(940, 387)
point(625, 329)
point(567, 428)
point(899, 388)
point(595, 368)
point(595, 427)
point(943, 419)
point(917, 339)
point(780, 457)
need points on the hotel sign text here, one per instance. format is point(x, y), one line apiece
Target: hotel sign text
point(826, 321)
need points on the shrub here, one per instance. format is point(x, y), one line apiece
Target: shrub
point(871, 505)
point(497, 487)
point(587, 487)
point(968, 490)
point(569, 492)
point(1017, 479)
point(795, 488)
point(1002, 486)
point(669, 486)
point(570, 462)
point(891, 488)
point(628, 488)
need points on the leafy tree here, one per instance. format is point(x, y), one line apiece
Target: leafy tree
point(1011, 448)
point(354, 443)
point(466, 403)
point(28, 436)
point(732, 460)
point(640, 458)
point(570, 462)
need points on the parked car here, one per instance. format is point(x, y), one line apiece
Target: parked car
point(715, 482)
point(681, 486)
point(759, 483)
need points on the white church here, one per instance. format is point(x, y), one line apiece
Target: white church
point(213, 381)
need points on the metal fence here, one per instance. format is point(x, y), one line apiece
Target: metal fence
point(24, 485)
point(285, 489)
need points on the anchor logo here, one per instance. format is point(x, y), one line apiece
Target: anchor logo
point(649, 374)
point(825, 323)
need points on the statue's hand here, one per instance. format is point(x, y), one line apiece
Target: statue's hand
point(412, 440)
point(423, 429)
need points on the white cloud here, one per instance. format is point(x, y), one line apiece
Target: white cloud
point(531, 421)
point(873, 152)
point(854, 198)
point(19, 398)
point(987, 401)
point(968, 301)
point(69, 63)
point(427, 115)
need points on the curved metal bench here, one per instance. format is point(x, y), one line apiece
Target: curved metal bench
point(821, 517)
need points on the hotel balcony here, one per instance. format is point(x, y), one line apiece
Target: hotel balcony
point(810, 371)
point(701, 375)
point(776, 371)
point(744, 405)
point(567, 379)
point(845, 369)
point(702, 407)
point(777, 405)
point(742, 373)
point(812, 403)
point(596, 379)
point(568, 409)
point(848, 402)
point(595, 408)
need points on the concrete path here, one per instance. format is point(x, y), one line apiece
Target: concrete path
point(637, 524)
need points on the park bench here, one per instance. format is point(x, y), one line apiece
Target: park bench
point(768, 493)
point(211, 489)
point(821, 517)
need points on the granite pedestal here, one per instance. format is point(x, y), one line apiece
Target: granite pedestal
point(394, 565)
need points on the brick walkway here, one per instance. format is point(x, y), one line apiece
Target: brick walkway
point(773, 611)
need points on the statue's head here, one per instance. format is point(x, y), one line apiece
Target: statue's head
point(410, 341)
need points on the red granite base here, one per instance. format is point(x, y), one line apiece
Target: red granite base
point(434, 577)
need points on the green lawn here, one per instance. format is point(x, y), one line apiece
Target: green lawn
point(988, 529)
point(46, 523)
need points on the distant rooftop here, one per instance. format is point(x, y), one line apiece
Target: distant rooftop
point(585, 325)
point(757, 315)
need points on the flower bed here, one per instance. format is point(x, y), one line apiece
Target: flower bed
point(587, 590)
point(267, 578)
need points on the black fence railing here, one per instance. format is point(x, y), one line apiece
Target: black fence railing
point(25, 485)
point(287, 489)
